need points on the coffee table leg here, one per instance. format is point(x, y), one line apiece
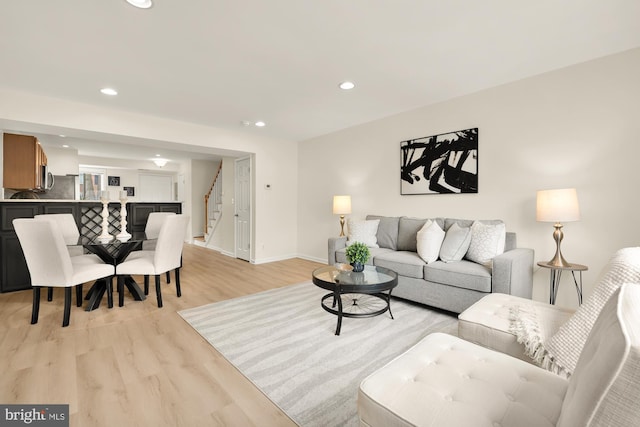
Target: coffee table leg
point(336, 297)
point(389, 304)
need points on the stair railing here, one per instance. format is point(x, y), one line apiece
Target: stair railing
point(212, 198)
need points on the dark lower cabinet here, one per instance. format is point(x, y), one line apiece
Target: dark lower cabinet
point(14, 274)
point(139, 212)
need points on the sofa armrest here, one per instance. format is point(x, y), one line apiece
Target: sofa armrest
point(335, 243)
point(513, 273)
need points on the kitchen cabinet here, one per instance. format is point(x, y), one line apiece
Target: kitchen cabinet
point(14, 274)
point(24, 162)
point(139, 212)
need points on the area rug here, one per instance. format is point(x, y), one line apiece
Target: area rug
point(285, 343)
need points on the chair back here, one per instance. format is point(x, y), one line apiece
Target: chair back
point(170, 241)
point(45, 251)
point(67, 224)
point(154, 223)
point(605, 386)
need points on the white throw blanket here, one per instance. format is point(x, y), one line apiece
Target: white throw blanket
point(559, 351)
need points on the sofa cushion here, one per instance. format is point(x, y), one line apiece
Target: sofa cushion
point(363, 232)
point(462, 274)
point(405, 263)
point(387, 231)
point(444, 381)
point(408, 230)
point(429, 240)
point(341, 255)
point(448, 222)
point(487, 241)
point(455, 244)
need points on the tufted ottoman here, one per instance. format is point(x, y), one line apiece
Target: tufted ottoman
point(445, 381)
point(487, 323)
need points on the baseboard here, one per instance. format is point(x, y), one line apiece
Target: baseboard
point(314, 259)
point(264, 260)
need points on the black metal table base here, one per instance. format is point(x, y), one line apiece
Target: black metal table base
point(336, 299)
point(99, 288)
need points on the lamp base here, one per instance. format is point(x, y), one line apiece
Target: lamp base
point(558, 260)
point(341, 226)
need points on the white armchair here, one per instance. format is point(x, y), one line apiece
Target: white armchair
point(542, 333)
point(445, 381)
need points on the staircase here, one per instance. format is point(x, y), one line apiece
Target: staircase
point(213, 206)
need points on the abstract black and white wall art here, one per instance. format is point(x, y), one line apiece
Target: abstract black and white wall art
point(440, 164)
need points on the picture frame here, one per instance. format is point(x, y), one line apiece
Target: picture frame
point(446, 163)
point(113, 181)
point(131, 191)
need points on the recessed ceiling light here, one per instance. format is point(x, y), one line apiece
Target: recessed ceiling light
point(260, 124)
point(347, 85)
point(157, 155)
point(62, 136)
point(109, 91)
point(65, 146)
point(142, 4)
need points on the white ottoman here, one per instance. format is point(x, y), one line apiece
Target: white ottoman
point(487, 322)
point(445, 381)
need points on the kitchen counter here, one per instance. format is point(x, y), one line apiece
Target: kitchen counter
point(78, 201)
point(14, 274)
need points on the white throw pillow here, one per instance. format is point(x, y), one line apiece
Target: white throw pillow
point(487, 241)
point(455, 244)
point(429, 239)
point(363, 232)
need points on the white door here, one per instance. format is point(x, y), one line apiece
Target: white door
point(243, 209)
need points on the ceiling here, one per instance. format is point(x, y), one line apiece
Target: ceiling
point(222, 62)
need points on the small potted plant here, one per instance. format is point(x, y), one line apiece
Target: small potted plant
point(357, 253)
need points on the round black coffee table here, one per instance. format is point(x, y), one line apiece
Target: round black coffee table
point(363, 294)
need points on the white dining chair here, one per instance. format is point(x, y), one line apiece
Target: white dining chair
point(50, 264)
point(152, 230)
point(166, 257)
point(67, 224)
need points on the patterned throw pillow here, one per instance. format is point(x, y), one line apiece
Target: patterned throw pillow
point(363, 232)
point(429, 240)
point(487, 241)
point(455, 244)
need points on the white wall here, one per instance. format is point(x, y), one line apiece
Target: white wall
point(62, 161)
point(275, 159)
point(576, 127)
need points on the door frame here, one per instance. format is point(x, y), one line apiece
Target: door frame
point(251, 205)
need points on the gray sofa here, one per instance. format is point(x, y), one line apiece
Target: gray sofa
point(452, 286)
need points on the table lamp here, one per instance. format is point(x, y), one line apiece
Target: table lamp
point(557, 206)
point(342, 207)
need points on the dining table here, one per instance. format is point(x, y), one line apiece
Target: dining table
point(112, 252)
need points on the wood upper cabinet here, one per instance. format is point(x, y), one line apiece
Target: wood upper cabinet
point(23, 162)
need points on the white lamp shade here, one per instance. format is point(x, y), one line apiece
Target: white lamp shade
point(341, 205)
point(557, 205)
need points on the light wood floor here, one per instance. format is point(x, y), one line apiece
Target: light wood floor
point(140, 365)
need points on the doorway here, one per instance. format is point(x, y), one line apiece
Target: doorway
point(243, 208)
